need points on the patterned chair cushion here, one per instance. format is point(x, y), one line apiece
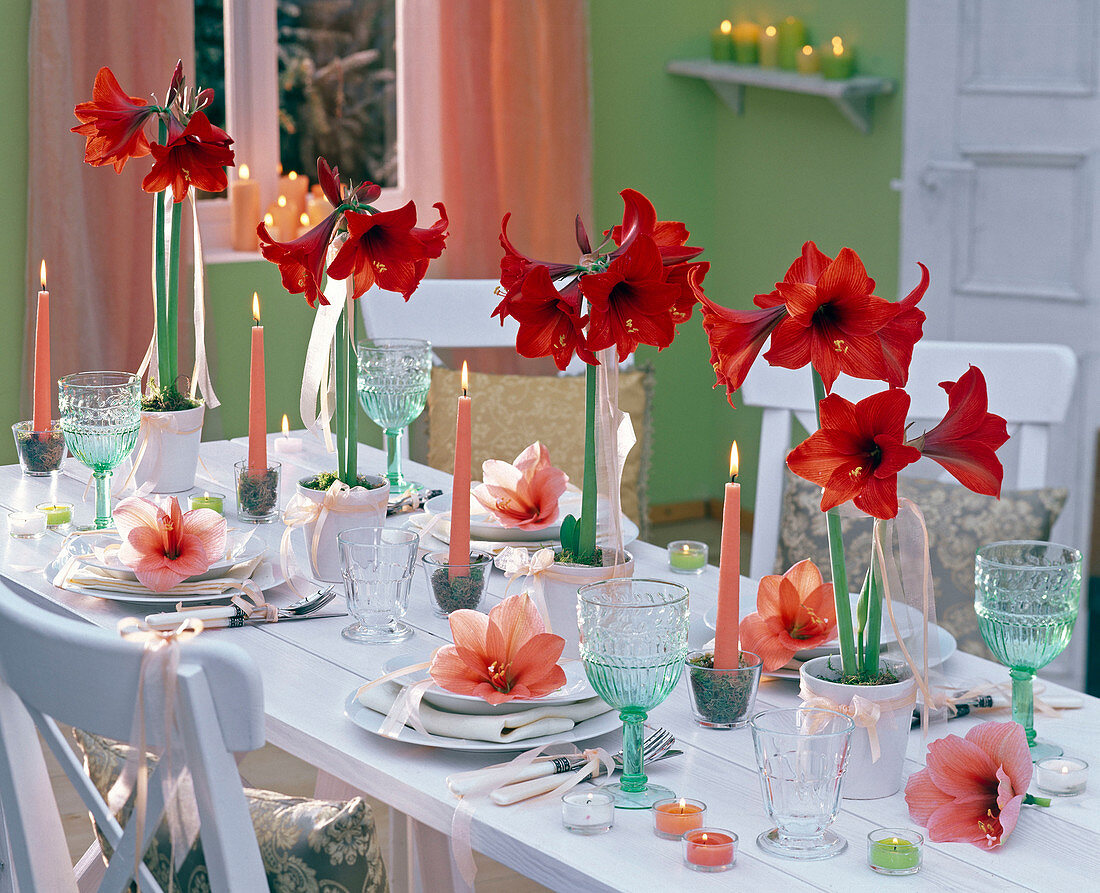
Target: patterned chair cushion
point(307, 846)
point(958, 522)
point(512, 411)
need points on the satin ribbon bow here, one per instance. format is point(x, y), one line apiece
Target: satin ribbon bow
point(158, 424)
point(863, 712)
point(516, 562)
point(301, 510)
point(249, 601)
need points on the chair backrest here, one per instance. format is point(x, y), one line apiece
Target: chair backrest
point(1029, 385)
point(57, 669)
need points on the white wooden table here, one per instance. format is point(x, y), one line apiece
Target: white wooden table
point(309, 670)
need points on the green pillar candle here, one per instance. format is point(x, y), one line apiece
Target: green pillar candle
point(721, 45)
point(746, 43)
point(837, 61)
point(792, 37)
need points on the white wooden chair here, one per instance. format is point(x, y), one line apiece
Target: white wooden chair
point(1029, 385)
point(53, 668)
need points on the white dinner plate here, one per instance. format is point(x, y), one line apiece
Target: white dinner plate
point(217, 569)
point(576, 688)
point(367, 719)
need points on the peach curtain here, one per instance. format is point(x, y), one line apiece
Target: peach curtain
point(516, 131)
point(93, 226)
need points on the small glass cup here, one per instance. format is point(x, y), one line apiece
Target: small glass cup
point(673, 818)
point(455, 587)
point(40, 452)
point(26, 525)
point(687, 557)
point(895, 851)
point(710, 849)
point(214, 501)
point(1062, 776)
point(722, 699)
point(257, 493)
point(58, 514)
point(377, 565)
point(587, 812)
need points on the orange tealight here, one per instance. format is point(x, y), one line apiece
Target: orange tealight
point(672, 818)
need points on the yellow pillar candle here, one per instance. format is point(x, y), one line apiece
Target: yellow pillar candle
point(792, 37)
point(721, 49)
point(295, 187)
point(746, 43)
point(244, 211)
point(769, 47)
point(807, 61)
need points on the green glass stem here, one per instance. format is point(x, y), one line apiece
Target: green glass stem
point(634, 778)
point(103, 517)
point(1023, 703)
point(587, 521)
point(398, 484)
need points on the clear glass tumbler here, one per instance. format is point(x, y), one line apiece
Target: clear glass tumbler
point(377, 564)
point(802, 753)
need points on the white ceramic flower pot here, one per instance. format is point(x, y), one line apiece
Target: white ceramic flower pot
point(367, 509)
point(169, 445)
point(864, 779)
point(559, 587)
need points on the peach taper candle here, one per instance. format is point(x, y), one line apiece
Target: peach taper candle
point(41, 420)
point(727, 649)
point(257, 397)
point(459, 554)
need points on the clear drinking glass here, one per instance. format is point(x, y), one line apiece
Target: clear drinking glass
point(633, 643)
point(394, 376)
point(802, 753)
point(1026, 596)
point(377, 565)
point(100, 417)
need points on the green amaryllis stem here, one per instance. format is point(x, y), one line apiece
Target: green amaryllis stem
point(587, 523)
point(341, 397)
point(159, 280)
point(836, 562)
point(861, 617)
point(352, 406)
point(171, 315)
point(874, 619)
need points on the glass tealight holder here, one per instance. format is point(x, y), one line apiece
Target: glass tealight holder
point(215, 501)
point(895, 851)
point(687, 557)
point(26, 525)
point(58, 514)
point(709, 849)
point(1062, 776)
point(40, 452)
point(673, 818)
point(456, 587)
point(587, 812)
point(722, 699)
point(257, 493)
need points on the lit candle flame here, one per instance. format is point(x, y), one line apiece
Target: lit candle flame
point(683, 802)
point(770, 31)
point(243, 172)
point(293, 175)
point(733, 461)
point(255, 309)
point(807, 50)
point(703, 839)
point(1065, 770)
point(304, 219)
point(205, 494)
point(465, 378)
point(838, 46)
point(726, 26)
point(286, 426)
point(269, 220)
point(281, 201)
point(42, 274)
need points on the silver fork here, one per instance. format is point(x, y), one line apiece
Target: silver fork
point(309, 604)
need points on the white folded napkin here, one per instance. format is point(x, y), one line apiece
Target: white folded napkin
point(77, 572)
point(503, 728)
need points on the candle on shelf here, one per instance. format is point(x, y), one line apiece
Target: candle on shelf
point(257, 396)
point(286, 443)
point(709, 849)
point(792, 37)
point(215, 501)
point(895, 851)
point(286, 218)
point(58, 514)
point(727, 650)
point(295, 187)
point(687, 556)
point(807, 62)
point(272, 229)
point(459, 554)
point(244, 211)
point(672, 818)
point(837, 62)
point(26, 525)
point(42, 419)
point(1062, 776)
point(746, 43)
point(587, 812)
point(721, 47)
point(769, 47)
point(317, 208)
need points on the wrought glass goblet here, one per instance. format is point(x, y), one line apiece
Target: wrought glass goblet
point(394, 376)
point(633, 644)
point(100, 418)
point(1026, 596)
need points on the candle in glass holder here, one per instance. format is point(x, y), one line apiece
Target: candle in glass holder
point(26, 525)
point(1062, 776)
point(687, 556)
point(721, 47)
point(58, 514)
point(672, 818)
point(215, 501)
point(769, 47)
point(587, 812)
point(895, 851)
point(709, 849)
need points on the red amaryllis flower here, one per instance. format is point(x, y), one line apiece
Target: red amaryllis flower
point(386, 248)
point(897, 338)
point(113, 123)
point(195, 155)
point(515, 265)
point(681, 275)
point(630, 303)
point(736, 337)
point(550, 323)
point(966, 440)
point(858, 452)
point(301, 262)
point(793, 612)
point(640, 219)
point(973, 787)
point(832, 322)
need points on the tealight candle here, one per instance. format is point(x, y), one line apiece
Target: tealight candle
point(285, 443)
point(687, 556)
point(26, 525)
point(58, 514)
point(587, 812)
point(671, 818)
point(213, 501)
point(1062, 776)
point(709, 849)
point(895, 851)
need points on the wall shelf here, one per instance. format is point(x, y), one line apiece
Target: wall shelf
point(853, 96)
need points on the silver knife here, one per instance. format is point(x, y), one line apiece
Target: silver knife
point(260, 621)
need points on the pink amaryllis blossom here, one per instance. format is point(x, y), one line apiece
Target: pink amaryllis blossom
point(793, 612)
point(504, 655)
point(972, 788)
point(524, 493)
point(163, 547)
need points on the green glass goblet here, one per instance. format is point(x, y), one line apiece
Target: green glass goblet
point(633, 645)
point(100, 418)
point(1026, 596)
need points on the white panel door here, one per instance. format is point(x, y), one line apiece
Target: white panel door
point(999, 199)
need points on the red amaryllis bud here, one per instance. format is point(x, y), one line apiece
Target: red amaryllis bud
point(329, 178)
point(204, 98)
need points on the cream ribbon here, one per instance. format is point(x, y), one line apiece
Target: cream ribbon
point(249, 601)
point(318, 377)
point(517, 562)
point(160, 657)
point(862, 711)
point(405, 709)
point(614, 439)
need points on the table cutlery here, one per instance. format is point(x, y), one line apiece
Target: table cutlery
point(211, 615)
